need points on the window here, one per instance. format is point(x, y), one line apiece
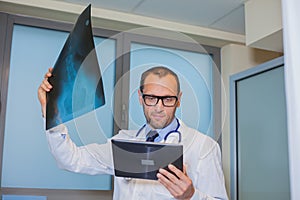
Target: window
point(195, 75)
point(27, 162)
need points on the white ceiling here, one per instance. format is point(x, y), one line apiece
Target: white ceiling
point(225, 15)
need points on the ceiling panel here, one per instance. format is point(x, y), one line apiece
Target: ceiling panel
point(233, 22)
point(225, 15)
point(195, 12)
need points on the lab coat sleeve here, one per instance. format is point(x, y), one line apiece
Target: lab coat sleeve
point(89, 159)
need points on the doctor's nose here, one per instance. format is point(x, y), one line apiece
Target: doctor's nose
point(159, 105)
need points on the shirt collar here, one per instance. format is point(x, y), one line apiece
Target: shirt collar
point(163, 132)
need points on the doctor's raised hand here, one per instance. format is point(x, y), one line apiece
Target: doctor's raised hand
point(43, 88)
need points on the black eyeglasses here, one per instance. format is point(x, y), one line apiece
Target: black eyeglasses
point(167, 101)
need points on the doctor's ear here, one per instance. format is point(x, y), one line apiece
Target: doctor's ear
point(179, 99)
point(140, 97)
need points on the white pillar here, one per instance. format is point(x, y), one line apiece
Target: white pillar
point(291, 32)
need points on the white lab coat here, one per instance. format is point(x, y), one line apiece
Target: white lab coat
point(201, 155)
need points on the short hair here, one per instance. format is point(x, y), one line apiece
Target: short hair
point(159, 71)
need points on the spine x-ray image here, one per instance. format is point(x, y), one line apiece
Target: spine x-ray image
point(76, 77)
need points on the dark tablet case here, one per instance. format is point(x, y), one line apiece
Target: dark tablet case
point(135, 159)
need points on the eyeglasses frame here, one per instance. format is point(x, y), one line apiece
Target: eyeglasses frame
point(159, 98)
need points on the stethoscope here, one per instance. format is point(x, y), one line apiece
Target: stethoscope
point(168, 134)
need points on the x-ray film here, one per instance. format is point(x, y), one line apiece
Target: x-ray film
point(76, 77)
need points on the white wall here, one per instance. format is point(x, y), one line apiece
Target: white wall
point(263, 24)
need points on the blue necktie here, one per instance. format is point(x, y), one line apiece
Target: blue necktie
point(151, 136)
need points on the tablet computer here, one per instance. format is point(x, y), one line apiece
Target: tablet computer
point(137, 159)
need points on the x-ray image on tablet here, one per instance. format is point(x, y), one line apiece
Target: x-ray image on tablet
point(76, 77)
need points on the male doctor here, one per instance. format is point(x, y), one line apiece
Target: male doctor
point(202, 177)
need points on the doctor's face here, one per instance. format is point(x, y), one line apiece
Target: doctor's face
point(161, 114)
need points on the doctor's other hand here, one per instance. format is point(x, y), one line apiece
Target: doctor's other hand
point(43, 88)
point(181, 187)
